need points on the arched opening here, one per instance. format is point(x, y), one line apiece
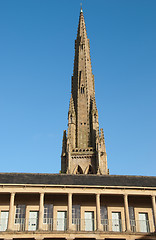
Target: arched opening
point(90, 170)
point(82, 89)
point(79, 170)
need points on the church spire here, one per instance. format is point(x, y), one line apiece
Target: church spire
point(83, 126)
point(83, 92)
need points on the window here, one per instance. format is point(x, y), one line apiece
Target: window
point(103, 212)
point(20, 214)
point(116, 222)
point(89, 221)
point(48, 213)
point(82, 89)
point(33, 221)
point(104, 217)
point(4, 220)
point(61, 220)
point(132, 219)
point(144, 223)
point(75, 214)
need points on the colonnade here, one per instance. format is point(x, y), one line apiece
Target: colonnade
point(69, 212)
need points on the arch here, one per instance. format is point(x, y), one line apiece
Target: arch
point(90, 170)
point(78, 170)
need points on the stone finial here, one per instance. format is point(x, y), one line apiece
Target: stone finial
point(81, 8)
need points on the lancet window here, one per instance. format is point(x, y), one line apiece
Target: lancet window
point(82, 89)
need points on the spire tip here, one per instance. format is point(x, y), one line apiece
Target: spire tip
point(81, 7)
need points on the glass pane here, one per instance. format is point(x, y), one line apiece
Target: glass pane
point(144, 223)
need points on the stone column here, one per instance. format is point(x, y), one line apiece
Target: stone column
point(154, 210)
point(128, 228)
point(69, 211)
point(11, 212)
point(98, 217)
point(41, 212)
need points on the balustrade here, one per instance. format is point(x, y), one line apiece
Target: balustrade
point(60, 224)
point(140, 225)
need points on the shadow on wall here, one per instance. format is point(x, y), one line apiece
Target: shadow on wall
point(150, 236)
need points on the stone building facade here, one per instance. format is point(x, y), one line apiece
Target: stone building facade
point(64, 206)
point(83, 201)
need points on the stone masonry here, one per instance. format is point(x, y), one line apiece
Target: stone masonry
point(83, 150)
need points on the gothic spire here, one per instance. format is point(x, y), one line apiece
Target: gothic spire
point(83, 92)
point(84, 142)
point(82, 62)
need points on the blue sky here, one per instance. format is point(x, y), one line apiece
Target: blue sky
point(36, 64)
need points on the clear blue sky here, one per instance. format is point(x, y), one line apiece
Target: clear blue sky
point(36, 64)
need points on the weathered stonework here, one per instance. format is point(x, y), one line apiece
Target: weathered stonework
point(83, 150)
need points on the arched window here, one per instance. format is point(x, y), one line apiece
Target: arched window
point(82, 89)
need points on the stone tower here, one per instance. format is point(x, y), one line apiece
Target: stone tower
point(83, 148)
